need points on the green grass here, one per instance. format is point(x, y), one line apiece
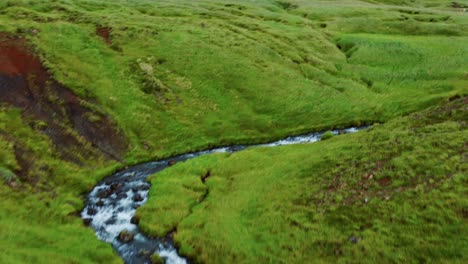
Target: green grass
point(218, 61)
point(399, 190)
point(185, 75)
point(38, 216)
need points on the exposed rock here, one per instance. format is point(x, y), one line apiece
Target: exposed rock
point(144, 252)
point(125, 236)
point(87, 221)
point(122, 195)
point(13, 184)
point(115, 186)
point(354, 239)
point(63, 116)
point(92, 211)
point(104, 193)
point(141, 188)
point(100, 203)
point(135, 220)
point(171, 162)
point(34, 31)
point(138, 198)
point(111, 221)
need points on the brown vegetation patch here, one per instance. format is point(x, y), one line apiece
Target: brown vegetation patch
point(77, 131)
point(104, 33)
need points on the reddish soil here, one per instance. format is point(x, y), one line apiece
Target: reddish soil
point(104, 33)
point(385, 181)
point(26, 84)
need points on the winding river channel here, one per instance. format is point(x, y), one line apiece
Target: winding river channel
point(111, 205)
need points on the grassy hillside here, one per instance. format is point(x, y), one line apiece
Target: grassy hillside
point(394, 193)
point(89, 86)
point(213, 71)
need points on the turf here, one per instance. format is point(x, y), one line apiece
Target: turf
point(176, 76)
point(394, 193)
point(224, 73)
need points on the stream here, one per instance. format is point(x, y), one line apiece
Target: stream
point(111, 205)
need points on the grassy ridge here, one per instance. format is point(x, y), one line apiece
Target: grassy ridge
point(395, 193)
point(212, 63)
point(183, 75)
point(38, 216)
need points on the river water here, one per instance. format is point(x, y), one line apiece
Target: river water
point(112, 204)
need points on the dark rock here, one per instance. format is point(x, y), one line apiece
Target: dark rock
point(122, 196)
point(100, 203)
point(110, 221)
point(92, 211)
point(138, 198)
point(141, 188)
point(135, 220)
point(87, 221)
point(125, 236)
point(104, 193)
point(115, 186)
point(171, 162)
point(354, 239)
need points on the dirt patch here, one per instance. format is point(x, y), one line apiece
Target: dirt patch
point(104, 33)
point(78, 132)
point(385, 181)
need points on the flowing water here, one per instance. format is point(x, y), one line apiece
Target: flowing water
point(112, 203)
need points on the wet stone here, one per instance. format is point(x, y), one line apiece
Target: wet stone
point(141, 188)
point(87, 221)
point(92, 211)
point(104, 194)
point(115, 186)
point(138, 198)
point(122, 196)
point(125, 236)
point(100, 203)
point(110, 221)
point(144, 252)
point(135, 220)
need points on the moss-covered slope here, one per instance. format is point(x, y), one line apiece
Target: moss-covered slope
point(394, 193)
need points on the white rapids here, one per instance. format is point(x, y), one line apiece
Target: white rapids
point(111, 205)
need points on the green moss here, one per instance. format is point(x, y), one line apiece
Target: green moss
point(156, 259)
point(221, 73)
point(394, 193)
point(327, 135)
point(7, 175)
